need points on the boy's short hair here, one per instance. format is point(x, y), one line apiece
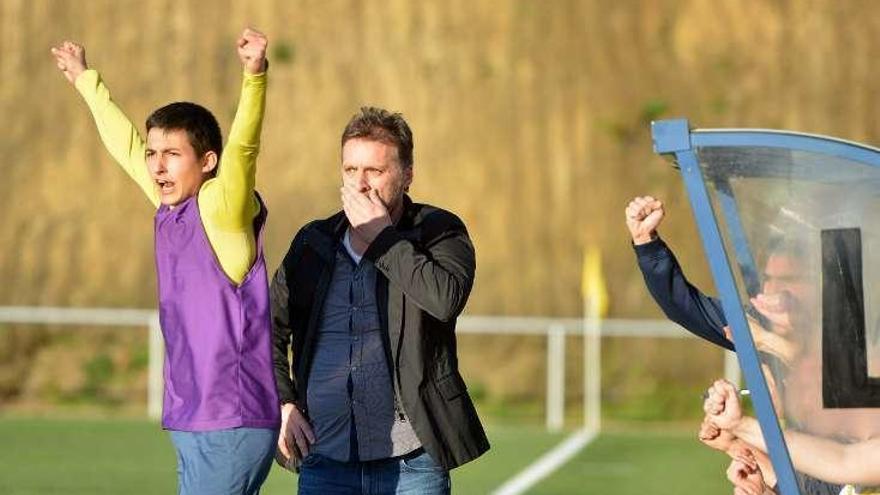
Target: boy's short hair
point(378, 124)
point(199, 123)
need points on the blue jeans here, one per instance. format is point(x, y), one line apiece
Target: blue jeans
point(234, 461)
point(412, 474)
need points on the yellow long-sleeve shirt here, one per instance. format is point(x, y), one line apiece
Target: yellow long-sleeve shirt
point(227, 202)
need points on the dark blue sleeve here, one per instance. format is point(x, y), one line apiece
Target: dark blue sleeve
point(680, 301)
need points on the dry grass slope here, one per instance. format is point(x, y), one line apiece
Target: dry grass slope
point(531, 121)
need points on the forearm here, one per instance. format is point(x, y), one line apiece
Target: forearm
point(680, 301)
point(248, 122)
point(835, 462)
point(438, 279)
point(281, 336)
point(119, 135)
point(748, 430)
point(822, 458)
point(281, 361)
point(233, 191)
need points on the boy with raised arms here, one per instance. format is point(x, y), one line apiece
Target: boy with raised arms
point(220, 401)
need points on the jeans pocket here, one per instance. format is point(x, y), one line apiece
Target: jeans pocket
point(420, 462)
point(310, 460)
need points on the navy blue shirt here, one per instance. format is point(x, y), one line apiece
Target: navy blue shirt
point(680, 301)
point(350, 395)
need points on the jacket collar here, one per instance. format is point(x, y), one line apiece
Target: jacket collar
point(408, 219)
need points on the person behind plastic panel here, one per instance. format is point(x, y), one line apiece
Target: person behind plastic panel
point(854, 464)
point(680, 301)
point(782, 287)
point(785, 293)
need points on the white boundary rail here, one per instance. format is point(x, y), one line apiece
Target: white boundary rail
point(555, 330)
point(43, 315)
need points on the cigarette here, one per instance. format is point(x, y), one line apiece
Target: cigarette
point(744, 392)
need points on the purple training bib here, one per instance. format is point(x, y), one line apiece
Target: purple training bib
point(218, 356)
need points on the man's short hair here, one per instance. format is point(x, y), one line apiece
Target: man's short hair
point(786, 246)
point(197, 121)
point(378, 124)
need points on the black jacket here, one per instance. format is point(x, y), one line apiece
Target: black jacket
point(426, 267)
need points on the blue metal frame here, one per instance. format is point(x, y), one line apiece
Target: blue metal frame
point(813, 143)
point(740, 242)
point(674, 137)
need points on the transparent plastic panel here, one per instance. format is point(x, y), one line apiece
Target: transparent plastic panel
point(804, 242)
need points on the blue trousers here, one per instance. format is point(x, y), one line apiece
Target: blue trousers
point(413, 474)
point(235, 461)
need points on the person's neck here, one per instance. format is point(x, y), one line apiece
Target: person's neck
point(396, 213)
point(175, 205)
point(358, 245)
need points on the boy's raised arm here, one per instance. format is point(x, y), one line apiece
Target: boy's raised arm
point(120, 136)
point(236, 178)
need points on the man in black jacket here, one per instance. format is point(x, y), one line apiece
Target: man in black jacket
point(364, 307)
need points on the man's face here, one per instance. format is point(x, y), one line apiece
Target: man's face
point(176, 170)
point(785, 274)
point(373, 165)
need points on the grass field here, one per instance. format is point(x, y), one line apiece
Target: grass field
point(42, 456)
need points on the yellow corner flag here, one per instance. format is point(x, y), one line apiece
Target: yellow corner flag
point(593, 289)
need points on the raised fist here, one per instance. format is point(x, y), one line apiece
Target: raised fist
point(252, 50)
point(722, 405)
point(71, 59)
point(643, 215)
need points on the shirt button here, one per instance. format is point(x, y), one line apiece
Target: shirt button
point(354, 368)
point(356, 338)
point(354, 308)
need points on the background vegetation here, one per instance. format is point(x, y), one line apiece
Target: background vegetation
point(531, 122)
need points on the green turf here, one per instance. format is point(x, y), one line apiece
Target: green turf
point(43, 456)
point(84, 457)
point(637, 463)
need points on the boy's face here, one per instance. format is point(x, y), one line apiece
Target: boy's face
point(176, 170)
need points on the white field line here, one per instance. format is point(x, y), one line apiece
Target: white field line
point(546, 464)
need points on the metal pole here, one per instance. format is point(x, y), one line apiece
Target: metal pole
point(555, 377)
point(154, 372)
point(592, 366)
point(731, 369)
point(674, 137)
